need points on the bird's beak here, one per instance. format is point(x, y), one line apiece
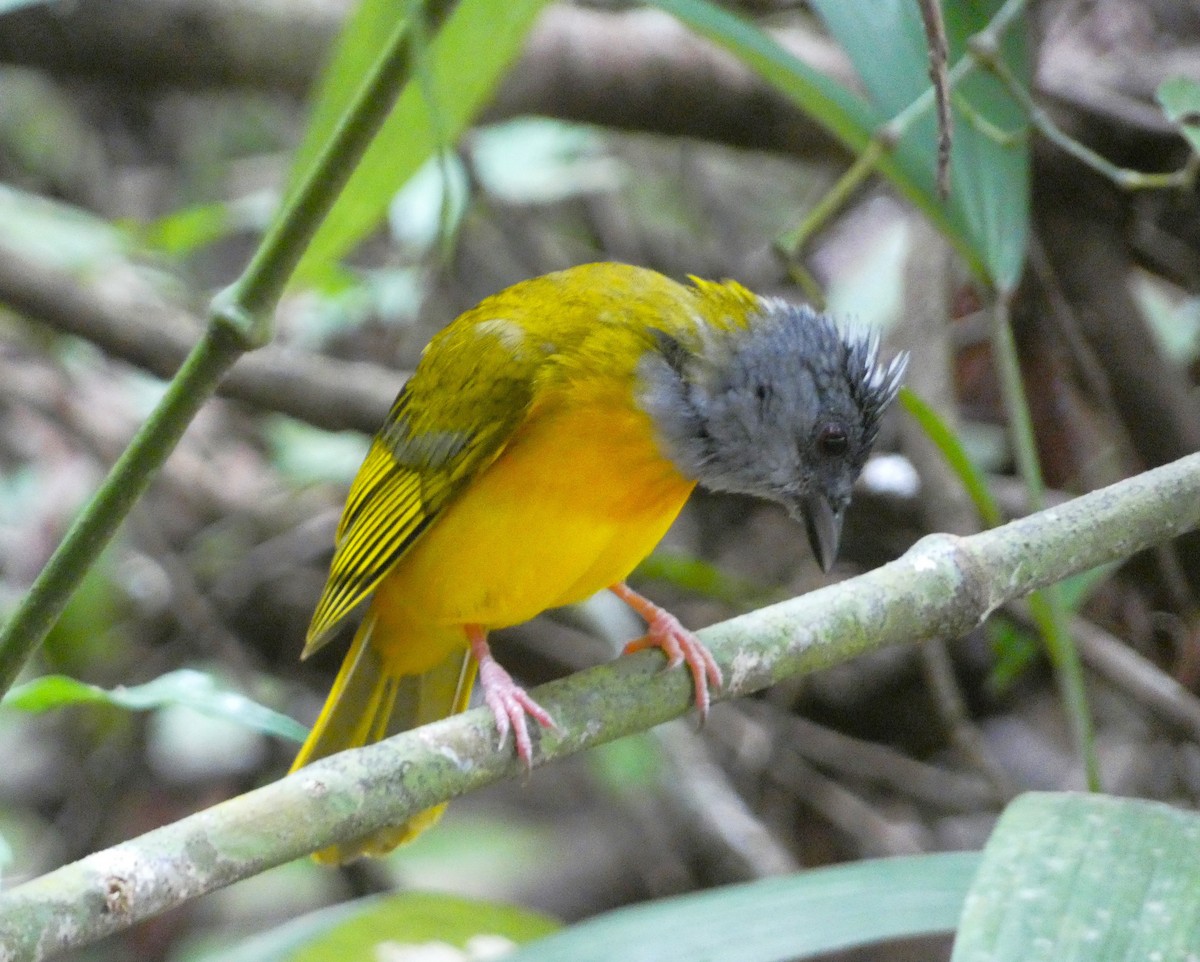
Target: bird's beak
point(824, 526)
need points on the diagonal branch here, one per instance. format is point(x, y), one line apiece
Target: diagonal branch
point(138, 327)
point(942, 587)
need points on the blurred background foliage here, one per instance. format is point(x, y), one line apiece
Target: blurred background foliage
point(144, 147)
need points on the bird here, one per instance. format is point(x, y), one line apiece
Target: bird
point(544, 443)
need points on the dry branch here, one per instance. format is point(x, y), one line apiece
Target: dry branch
point(139, 328)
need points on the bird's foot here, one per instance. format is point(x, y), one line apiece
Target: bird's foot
point(510, 704)
point(676, 642)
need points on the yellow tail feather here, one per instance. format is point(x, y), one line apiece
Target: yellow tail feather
point(368, 703)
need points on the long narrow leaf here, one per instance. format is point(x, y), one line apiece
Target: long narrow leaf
point(776, 919)
point(956, 456)
point(457, 73)
point(186, 687)
point(845, 114)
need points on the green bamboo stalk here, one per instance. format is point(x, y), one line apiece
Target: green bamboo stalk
point(240, 319)
point(126, 482)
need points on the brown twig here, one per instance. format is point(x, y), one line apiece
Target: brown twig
point(947, 791)
point(939, 54)
point(1120, 665)
point(876, 834)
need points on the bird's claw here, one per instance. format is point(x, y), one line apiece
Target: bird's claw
point(511, 706)
point(679, 645)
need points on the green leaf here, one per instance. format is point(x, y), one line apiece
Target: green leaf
point(416, 919)
point(846, 115)
point(358, 47)
point(776, 919)
point(7, 6)
point(1015, 648)
point(1180, 101)
point(305, 454)
point(50, 692)
point(186, 687)
point(191, 228)
point(454, 79)
point(1075, 877)
point(534, 160)
point(989, 195)
point(186, 230)
point(951, 448)
point(987, 214)
point(703, 578)
point(283, 941)
point(629, 766)
point(89, 632)
point(430, 205)
point(1077, 589)
point(58, 234)
point(1174, 321)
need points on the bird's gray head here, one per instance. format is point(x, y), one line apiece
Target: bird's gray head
point(786, 408)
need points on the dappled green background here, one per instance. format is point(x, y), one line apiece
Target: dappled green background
point(140, 168)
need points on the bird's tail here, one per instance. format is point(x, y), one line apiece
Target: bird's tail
point(368, 703)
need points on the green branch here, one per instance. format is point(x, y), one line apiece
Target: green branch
point(943, 587)
point(986, 52)
point(128, 479)
point(240, 319)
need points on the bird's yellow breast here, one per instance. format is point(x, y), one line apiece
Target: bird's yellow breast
point(580, 495)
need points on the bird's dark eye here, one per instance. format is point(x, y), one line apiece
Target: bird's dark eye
point(833, 439)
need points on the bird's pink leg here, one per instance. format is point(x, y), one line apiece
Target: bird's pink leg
point(508, 701)
point(676, 642)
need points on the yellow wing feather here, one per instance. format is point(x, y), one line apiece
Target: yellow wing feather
point(398, 491)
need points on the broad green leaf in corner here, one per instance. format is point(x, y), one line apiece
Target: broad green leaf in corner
point(451, 81)
point(1073, 876)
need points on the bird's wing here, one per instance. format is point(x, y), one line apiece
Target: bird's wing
point(410, 474)
point(474, 387)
